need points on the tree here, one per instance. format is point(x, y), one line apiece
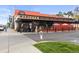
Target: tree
point(8, 24)
point(76, 13)
point(60, 14)
point(76, 9)
point(69, 13)
point(76, 17)
point(65, 13)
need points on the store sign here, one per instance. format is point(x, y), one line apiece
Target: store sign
point(32, 17)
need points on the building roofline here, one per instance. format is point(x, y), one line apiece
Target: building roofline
point(33, 13)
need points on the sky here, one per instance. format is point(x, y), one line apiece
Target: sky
point(6, 10)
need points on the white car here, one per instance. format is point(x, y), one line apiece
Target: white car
point(1, 28)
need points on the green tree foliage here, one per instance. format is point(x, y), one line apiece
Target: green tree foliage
point(60, 13)
point(69, 13)
point(8, 24)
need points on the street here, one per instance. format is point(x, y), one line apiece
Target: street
point(14, 42)
point(56, 36)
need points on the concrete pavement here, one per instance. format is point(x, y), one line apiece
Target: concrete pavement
point(14, 42)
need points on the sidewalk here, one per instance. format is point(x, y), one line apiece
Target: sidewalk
point(18, 43)
point(21, 48)
point(25, 47)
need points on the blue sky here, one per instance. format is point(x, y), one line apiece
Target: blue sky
point(6, 10)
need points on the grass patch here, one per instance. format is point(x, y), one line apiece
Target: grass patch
point(58, 47)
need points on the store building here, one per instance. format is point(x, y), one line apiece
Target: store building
point(29, 21)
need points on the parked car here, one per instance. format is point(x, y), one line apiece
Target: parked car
point(1, 27)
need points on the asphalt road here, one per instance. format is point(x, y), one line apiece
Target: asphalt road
point(56, 36)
